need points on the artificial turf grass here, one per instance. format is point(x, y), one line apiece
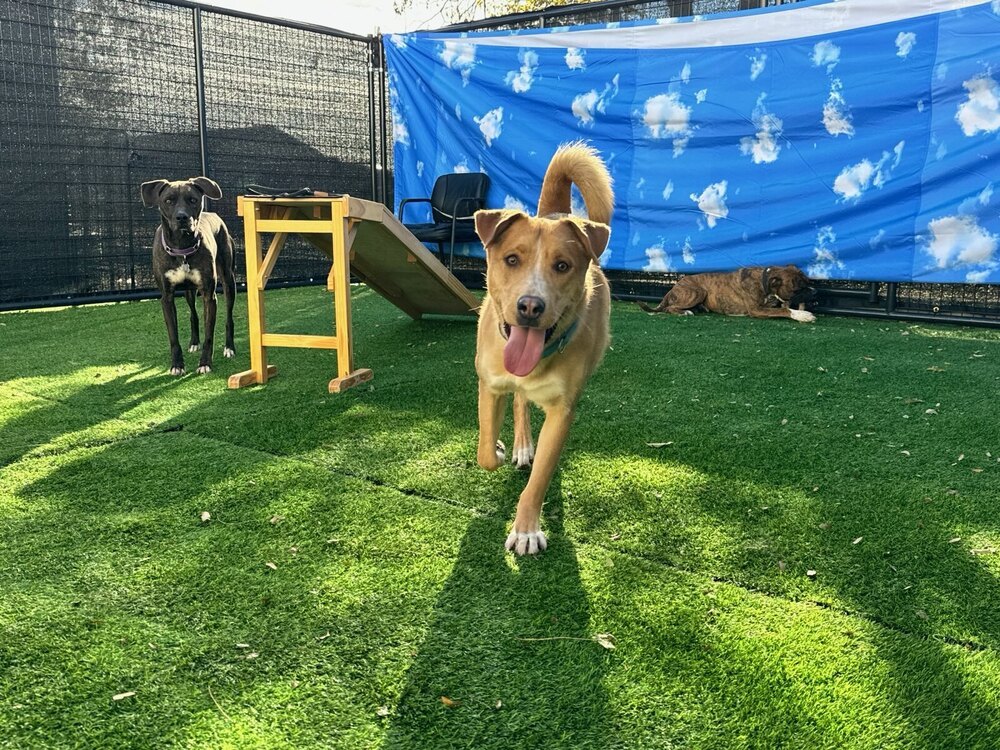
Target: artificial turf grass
point(710, 506)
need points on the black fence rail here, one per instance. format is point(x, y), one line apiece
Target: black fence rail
point(98, 96)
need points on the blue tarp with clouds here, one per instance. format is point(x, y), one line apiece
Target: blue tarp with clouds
point(859, 139)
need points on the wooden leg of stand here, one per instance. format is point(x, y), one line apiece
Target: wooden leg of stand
point(259, 370)
point(347, 376)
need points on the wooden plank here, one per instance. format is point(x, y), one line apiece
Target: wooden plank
point(339, 385)
point(273, 251)
point(300, 341)
point(341, 273)
point(366, 210)
point(255, 296)
point(249, 377)
point(299, 226)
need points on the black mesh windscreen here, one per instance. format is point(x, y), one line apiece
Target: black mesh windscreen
point(285, 108)
point(97, 97)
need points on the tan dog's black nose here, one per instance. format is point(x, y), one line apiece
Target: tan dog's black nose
point(529, 309)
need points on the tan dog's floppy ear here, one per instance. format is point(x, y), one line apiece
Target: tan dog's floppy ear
point(593, 236)
point(491, 224)
point(150, 191)
point(209, 187)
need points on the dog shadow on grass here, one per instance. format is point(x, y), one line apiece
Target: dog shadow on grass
point(509, 659)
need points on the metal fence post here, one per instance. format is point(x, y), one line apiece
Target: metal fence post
point(199, 68)
point(385, 115)
point(372, 154)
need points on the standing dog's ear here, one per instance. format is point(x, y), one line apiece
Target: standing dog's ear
point(491, 224)
point(593, 236)
point(209, 187)
point(150, 191)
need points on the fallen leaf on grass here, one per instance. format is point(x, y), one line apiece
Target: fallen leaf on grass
point(930, 411)
point(983, 551)
point(977, 470)
point(935, 368)
point(606, 640)
point(954, 540)
point(271, 565)
point(449, 702)
point(824, 526)
point(277, 519)
point(615, 537)
point(922, 615)
point(252, 655)
point(324, 636)
point(660, 445)
point(242, 645)
point(205, 516)
point(123, 696)
point(858, 540)
point(781, 565)
point(905, 453)
point(499, 704)
point(382, 711)
point(951, 492)
point(811, 573)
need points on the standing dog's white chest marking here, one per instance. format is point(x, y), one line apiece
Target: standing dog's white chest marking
point(184, 273)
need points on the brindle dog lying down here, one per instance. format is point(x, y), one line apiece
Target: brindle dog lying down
point(755, 291)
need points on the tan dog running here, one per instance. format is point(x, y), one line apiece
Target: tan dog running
point(744, 292)
point(544, 324)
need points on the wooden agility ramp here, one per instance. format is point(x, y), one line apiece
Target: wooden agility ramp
point(360, 237)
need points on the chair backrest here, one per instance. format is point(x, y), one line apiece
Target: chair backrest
point(449, 188)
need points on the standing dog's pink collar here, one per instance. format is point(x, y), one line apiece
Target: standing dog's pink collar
point(180, 252)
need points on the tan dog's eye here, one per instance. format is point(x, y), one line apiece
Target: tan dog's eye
point(562, 266)
point(511, 260)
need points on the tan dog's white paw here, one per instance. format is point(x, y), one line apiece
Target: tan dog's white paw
point(204, 370)
point(228, 353)
point(194, 347)
point(526, 542)
point(803, 316)
point(523, 455)
point(689, 312)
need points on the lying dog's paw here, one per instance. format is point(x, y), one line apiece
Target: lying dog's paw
point(803, 316)
point(204, 369)
point(228, 353)
point(194, 347)
point(688, 312)
point(175, 371)
point(526, 542)
point(523, 455)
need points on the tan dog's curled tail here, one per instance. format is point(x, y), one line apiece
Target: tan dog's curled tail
point(579, 164)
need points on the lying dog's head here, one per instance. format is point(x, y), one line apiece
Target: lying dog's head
point(786, 284)
point(179, 201)
point(536, 271)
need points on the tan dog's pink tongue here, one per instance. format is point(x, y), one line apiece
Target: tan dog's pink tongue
point(524, 350)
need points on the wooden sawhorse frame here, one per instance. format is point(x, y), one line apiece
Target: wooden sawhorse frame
point(360, 237)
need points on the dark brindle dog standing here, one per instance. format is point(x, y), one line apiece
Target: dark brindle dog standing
point(192, 252)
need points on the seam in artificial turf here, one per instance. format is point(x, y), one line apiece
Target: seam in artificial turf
point(968, 645)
